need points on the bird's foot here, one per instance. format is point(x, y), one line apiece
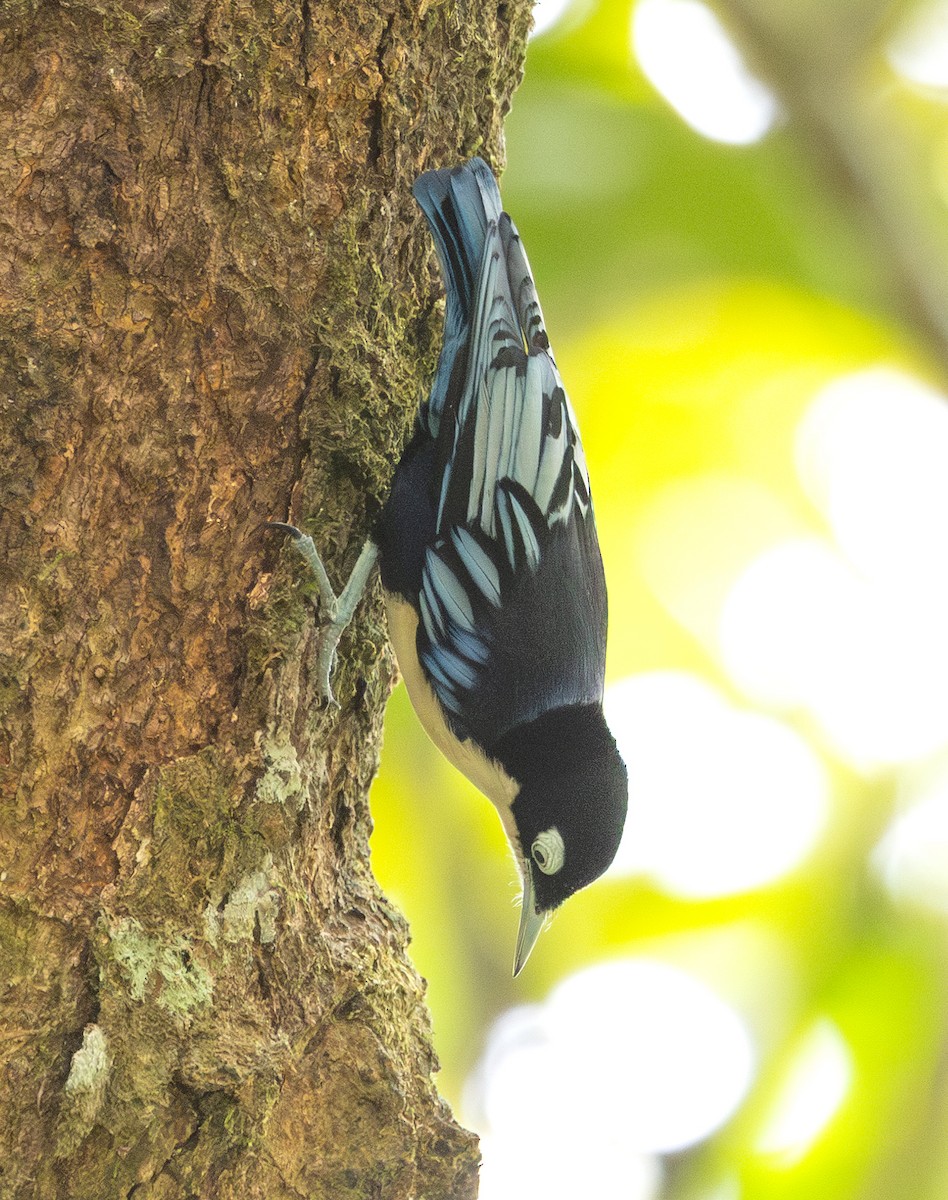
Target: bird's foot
point(339, 609)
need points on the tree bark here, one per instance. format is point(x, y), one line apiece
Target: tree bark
point(215, 311)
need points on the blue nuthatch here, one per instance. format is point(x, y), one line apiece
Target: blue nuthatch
point(490, 563)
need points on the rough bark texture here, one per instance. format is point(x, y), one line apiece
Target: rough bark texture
point(214, 310)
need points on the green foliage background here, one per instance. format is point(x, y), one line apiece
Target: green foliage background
point(698, 294)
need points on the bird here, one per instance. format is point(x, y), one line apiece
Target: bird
point(490, 564)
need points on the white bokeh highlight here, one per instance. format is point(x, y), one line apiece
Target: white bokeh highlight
point(871, 453)
point(851, 630)
point(919, 48)
point(721, 800)
point(624, 1061)
point(726, 1189)
point(547, 13)
point(912, 856)
point(512, 1170)
point(816, 1084)
point(687, 55)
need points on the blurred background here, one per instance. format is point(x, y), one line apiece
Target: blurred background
point(738, 218)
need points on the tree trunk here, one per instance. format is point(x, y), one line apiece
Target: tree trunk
point(215, 312)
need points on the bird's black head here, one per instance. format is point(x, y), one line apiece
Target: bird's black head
point(570, 825)
point(570, 809)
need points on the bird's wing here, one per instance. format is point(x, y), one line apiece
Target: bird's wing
point(512, 595)
point(513, 419)
point(459, 204)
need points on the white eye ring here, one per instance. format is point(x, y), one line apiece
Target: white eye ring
point(548, 851)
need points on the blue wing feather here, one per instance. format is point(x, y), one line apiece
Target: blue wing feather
point(459, 204)
point(510, 585)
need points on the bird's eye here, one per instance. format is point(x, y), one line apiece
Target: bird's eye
point(548, 851)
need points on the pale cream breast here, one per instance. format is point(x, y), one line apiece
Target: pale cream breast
point(487, 776)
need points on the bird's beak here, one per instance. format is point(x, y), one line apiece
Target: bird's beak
point(531, 923)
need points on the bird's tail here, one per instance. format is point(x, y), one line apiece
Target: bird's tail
point(459, 204)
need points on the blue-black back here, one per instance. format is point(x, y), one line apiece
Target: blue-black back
point(489, 530)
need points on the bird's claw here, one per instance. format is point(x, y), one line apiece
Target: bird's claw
point(305, 546)
point(294, 533)
point(338, 609)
